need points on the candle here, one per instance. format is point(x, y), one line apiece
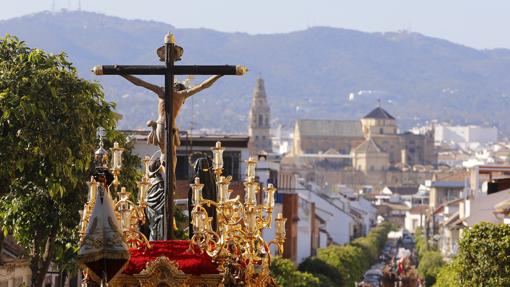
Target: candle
point(196, 191)
point(252, 164)
point(124, 195)
point(223, 193)
point(218, 156)
point(196, 221)
point(270, 195)
point(143, 186)
point(125, 218)
point(280, 226)
point(250, 189)
point(117, 156)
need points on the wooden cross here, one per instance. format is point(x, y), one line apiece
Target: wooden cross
point(169, 53)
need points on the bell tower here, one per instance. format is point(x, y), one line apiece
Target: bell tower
point(259, 119)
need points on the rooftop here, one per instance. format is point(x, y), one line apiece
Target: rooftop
point(379, 113)
point(419, 209)
point(403, 190)
point(368, 146)
point(329, 128)
point(448, 184)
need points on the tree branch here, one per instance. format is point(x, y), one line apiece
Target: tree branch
point(46, 257)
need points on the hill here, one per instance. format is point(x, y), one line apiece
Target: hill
point(316, 73)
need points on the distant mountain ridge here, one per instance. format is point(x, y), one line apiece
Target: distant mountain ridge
point(316, 73)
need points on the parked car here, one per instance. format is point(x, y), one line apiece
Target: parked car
point(408, 241)
point(373, 277)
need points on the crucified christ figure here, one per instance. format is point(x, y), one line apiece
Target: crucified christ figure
point(181, 93)
point(157, 137)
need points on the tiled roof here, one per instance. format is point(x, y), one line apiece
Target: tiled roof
point(11, 250)
point(379, 113)
point(419, 209)
point(456, 176)
point(452, 219)
point(395, 206)
point(404, 190)
point(331, 128)
point(440, 208)
point(368, 146)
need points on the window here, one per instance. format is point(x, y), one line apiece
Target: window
point(231, 165)
point(261, 120)
point(381, 130)
point(182, 168)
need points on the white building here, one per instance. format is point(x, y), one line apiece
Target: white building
point(340, 224)
point(415, 217)
point(367, 211)
point(465, 134)
point(480, 201)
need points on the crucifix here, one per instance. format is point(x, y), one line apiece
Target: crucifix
point(168, 107)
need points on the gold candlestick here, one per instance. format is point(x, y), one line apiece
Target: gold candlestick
point(238, 237)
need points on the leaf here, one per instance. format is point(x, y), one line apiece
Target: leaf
point(3, 95)
point(19, 166)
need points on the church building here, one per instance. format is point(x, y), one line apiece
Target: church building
point(373, 142)
point(259, 121)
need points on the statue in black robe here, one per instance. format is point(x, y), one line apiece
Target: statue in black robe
point(202, 168)
point(155, 201)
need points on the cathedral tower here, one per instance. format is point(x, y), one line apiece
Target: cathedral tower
point(259, 118)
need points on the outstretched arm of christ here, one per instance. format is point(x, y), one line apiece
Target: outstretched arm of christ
point(141, 83)
point(202, 86)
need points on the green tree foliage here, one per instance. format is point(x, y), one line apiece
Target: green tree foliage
point(347, 259)
point(344, 265)
point(448, 275)
point(48, 124)
point(431, 260)
point(328, 275)
point(287, 275)
point(484, 256)
point(429, 266)
point(421, 242)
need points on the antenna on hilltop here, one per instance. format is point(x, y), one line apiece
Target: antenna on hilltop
point(53, 6)
point(79, 5)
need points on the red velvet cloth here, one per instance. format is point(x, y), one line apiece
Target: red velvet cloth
point(175, 250)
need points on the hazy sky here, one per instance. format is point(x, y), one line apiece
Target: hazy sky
point(475, 23)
